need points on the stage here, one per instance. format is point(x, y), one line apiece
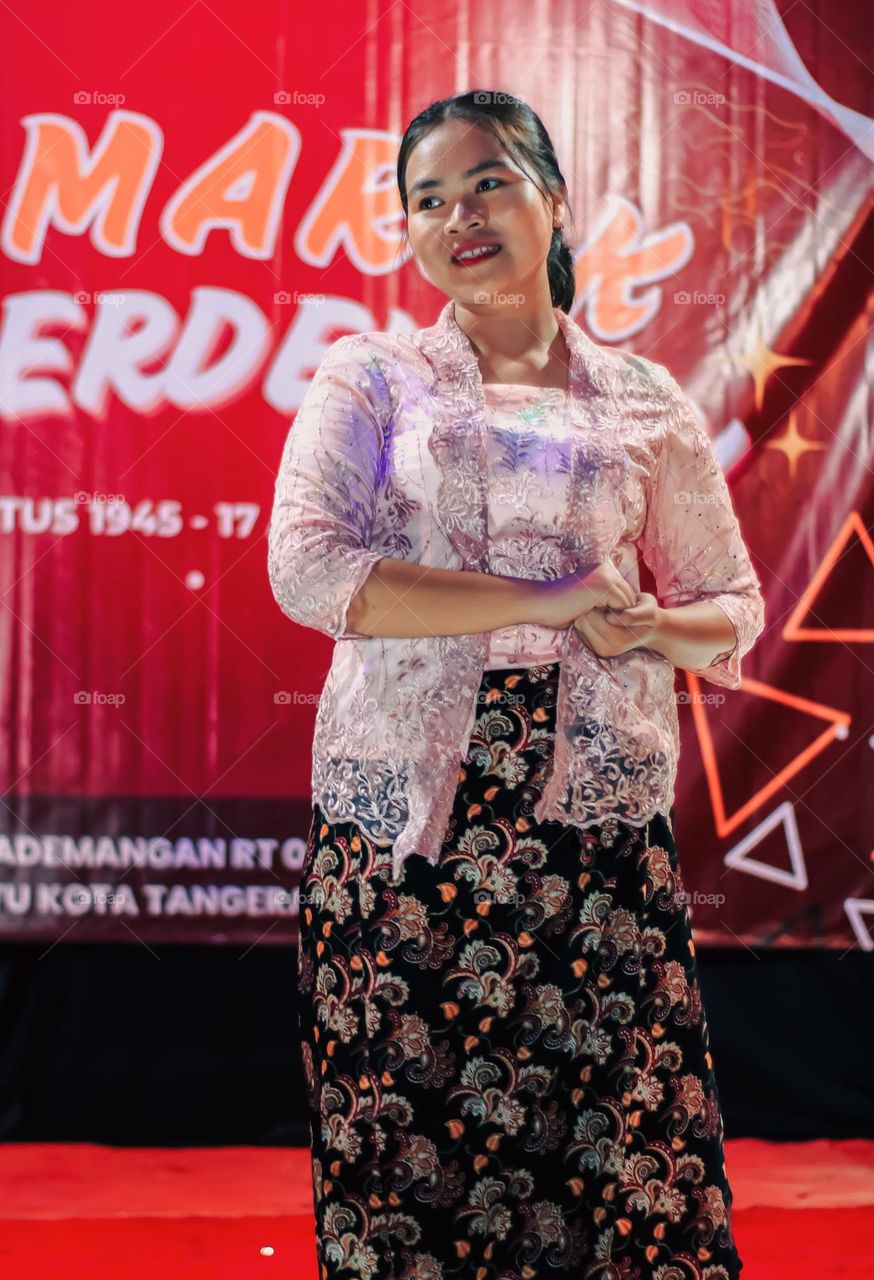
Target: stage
point(803, 1211)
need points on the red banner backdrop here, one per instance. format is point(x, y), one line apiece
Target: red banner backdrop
point(195, 203)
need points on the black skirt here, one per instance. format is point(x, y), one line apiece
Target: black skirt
point(507, 1055)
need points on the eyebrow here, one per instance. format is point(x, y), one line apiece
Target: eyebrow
point(496, 162)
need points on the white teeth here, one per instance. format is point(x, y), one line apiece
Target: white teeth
point(477, 253)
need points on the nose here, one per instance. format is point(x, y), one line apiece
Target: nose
point(462, 217)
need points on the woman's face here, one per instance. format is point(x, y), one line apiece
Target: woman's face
point(497, 205)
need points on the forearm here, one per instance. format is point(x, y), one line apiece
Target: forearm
point(400, 598)
point(693, 636)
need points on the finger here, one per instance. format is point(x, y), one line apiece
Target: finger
point(598, 624)
point(619, 624)
point(623, 596)
point(620, 597)
point(635, 613)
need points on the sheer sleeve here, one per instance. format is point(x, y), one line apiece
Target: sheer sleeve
point(319, 549)
point(692, 540)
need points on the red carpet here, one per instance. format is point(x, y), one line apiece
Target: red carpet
point(803, 1211)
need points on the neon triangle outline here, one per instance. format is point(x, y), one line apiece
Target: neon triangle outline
point(828, 635)
point(835, 719)
point(796, 878)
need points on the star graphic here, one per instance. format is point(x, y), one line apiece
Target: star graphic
point(793, 443)
point(761, 361)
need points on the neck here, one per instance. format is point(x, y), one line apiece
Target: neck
point(509, 333)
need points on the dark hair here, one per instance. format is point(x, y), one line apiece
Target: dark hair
point(521, 133)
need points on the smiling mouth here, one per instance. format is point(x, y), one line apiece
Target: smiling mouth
point(477, 255)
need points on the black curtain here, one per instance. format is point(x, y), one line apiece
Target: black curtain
point(197, 1045)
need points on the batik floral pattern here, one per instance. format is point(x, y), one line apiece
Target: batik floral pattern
point(506, 1054)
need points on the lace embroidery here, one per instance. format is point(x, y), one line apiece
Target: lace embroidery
point(387, 456)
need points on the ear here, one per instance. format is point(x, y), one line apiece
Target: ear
point(559, 208)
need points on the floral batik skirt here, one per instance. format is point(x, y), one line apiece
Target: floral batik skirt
point(507, 1055)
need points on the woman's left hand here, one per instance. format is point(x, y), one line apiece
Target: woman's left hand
point(610, 632)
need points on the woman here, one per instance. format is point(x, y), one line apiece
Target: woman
point(502, 1030)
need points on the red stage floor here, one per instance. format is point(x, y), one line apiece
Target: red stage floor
point(803, 1211)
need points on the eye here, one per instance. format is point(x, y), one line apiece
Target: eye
point(421, 205)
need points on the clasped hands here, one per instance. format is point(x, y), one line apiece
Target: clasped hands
point(611, 631)
point(610, 614)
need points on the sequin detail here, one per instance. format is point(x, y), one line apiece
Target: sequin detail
point(387, 457)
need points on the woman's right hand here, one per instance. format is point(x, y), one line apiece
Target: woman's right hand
point(557, 602)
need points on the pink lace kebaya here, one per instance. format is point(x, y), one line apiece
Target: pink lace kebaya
point(394, 452)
